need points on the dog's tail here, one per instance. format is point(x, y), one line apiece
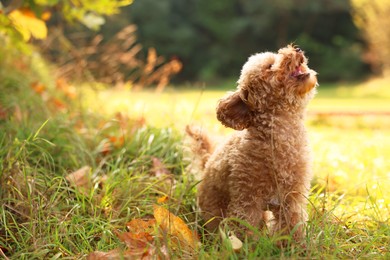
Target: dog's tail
point(201, 145)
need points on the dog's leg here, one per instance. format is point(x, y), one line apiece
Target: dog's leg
point(291, 217)
point(246, 209)
point(213, 204)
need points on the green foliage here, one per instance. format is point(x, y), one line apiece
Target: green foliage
point(334, 63)
point(41, 214)
point(19, 20)
point(213, 39)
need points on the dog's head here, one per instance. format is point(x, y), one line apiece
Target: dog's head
point(269, 83)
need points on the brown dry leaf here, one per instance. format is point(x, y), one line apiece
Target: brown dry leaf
point(138, 241)
point(141, 239)
point(18, 114)
point(3, 113)
point(140, 225)
point(123, 120)
point(118, 254)
point(163, 174)
point(159, 169)
point(136, 125)
point(106, 148)
point(176, 228)
point(99, 255)
point(140, 233)
point(81, 179)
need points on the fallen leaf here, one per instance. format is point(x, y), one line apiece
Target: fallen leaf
point(139, 241)
point(18, 114)
point(106, 147)
point(144, 239)
point(3, 113)
point(139, 235)
point(117, 141)
point(176, 228)
point(160, 171)
point(162, 199)
point(81, 179)
point(235, 242)
point(122, 119)
point(99, 255)
point(140, 225)
point(39, 88)
point(58, 103)
point(120, 254)
point(137, 124)
point(66, 88)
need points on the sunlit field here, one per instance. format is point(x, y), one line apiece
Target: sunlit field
point(128, 148)
point(349, 128)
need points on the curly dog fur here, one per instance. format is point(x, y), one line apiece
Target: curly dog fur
point(265, 166)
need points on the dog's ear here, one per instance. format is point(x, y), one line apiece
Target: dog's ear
point(233, 112)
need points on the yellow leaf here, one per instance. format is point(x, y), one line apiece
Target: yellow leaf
point(28, 25)
point(176, 228)
point(162, 199)
point(46, 15)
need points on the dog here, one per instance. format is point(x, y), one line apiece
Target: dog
point(266, 164)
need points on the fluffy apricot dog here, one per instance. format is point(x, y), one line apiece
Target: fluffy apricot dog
point(266, 165)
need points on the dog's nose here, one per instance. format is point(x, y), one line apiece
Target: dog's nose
point(297, 49)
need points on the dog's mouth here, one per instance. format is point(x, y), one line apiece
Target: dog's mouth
point(300, 73)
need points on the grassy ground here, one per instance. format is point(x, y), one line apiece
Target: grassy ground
point(43, 216)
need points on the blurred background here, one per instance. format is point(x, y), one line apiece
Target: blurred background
point(191, 41)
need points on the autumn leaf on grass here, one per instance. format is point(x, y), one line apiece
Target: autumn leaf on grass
point(140, 235)
point(143, 241)
point(139, 241)
point(140, 225)
point(3, 113)
point(176, 228)
point(38, 87)
point(68, 90)
point(18, 114)
point(162, 199)
point(136, 241)
point(81, 179)
point(122, 254)
point(160, 171)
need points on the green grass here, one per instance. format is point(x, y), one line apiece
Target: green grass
point(43, 216)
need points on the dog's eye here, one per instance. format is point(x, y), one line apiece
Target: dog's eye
point(269, 66)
